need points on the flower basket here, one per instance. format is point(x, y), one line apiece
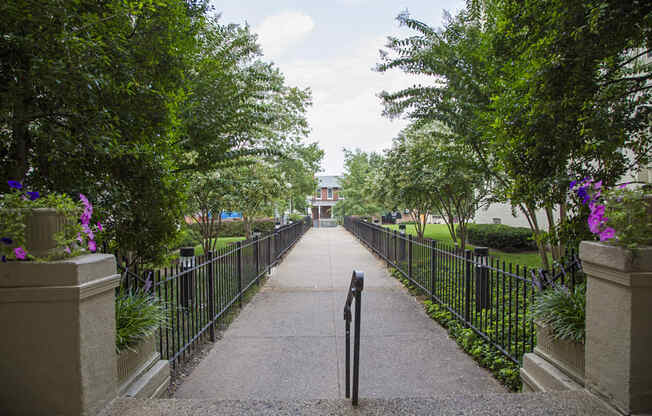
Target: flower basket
point(41, 226)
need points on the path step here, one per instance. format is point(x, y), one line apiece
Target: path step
point(459, 404)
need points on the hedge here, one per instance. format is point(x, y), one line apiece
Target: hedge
point(501, 237)
point(236, 228)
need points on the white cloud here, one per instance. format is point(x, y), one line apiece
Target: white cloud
point(346, 110)
point(279, 32)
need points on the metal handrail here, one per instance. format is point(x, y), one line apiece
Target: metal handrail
point(355, 292)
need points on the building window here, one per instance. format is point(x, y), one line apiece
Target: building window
point(330, 193)
point(318, 194)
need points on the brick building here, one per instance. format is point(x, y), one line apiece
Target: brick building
point(324, 199)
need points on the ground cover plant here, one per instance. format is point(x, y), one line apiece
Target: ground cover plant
point(504, 369)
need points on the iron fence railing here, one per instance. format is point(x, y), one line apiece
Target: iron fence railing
point(354, 294)
point(198, 291)
point(486, 294)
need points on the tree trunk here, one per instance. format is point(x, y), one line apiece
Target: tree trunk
point(247, 224)
point(530, 213)
point(552, 233)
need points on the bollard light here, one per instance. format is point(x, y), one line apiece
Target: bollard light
point(187, 260)
point(401, 228)
point(187, 257)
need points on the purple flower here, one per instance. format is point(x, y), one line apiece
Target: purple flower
point(572, 184)
point(99, 226)
point(6, 240)
point(84, 200)
point(67, 250)
point(92, 246)
point(20, 253)
point(33, 196)
point(15, 184)
point(623, 185)
point(597, 185)
point(581, 192)
point(79, 238)
point(148, 284)
point(607, 234)
point(85, 218)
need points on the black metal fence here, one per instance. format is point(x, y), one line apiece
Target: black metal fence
point(198, 291)
point(488, 295)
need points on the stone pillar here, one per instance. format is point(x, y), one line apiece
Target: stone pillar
point(619, 325)
point(57, 320)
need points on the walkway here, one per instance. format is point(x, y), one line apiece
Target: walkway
point(288, 342)
point(284, 353)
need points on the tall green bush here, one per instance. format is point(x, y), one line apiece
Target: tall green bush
point(237, 228)
point(501, 237)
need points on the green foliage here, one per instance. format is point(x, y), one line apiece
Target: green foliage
point(125, 101)
point(427, 171)
point(138, 315)
point(187, 237)
point(564, 310)
point(484, 353)
point(361, 176)
point(15, 209)
point(628, 212)
point(501, 237)
point(296, 217)
point(535, 90)
point(237, 228)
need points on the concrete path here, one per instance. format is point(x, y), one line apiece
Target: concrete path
point(287, 343)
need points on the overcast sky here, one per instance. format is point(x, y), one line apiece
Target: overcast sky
point(331, 46)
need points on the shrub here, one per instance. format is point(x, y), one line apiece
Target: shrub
point(296, 217)
point(501, 237)
point(564, 310)
point(187, 237)
point(137, 315)
point(237, 229)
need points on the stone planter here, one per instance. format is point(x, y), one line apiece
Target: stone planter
point(41, 225)
point(554, 365)
point(619, 325)
point(567, 356)
point(140, 372)
point(58, 348)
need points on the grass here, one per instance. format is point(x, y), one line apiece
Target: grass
point(221, 243)
point(440, 232)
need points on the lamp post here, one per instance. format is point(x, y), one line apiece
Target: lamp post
point(187, 260)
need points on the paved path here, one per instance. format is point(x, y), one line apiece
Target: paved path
point(287, 343)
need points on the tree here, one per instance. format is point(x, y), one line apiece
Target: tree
point(537, 92)
point(209, 195)
point(362, 171)
point(257, 186)
point(235, 105)
point(459, 185)
point(87, 93)
point(299, 165)
point(427, 171)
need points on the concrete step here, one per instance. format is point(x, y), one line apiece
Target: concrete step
point(153, 383)
point(540, 375)
point(459, 404)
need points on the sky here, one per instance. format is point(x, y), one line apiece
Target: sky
point(332, 47)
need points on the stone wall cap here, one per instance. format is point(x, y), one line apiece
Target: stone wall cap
point(74, 271)
point(615, 257)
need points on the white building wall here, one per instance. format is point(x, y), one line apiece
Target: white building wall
point(504, 212)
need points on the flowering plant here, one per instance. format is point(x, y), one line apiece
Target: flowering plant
point(619, 215)
point(77, 236)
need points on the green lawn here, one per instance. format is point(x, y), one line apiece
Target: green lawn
point(440, 232)
point(221, 243)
